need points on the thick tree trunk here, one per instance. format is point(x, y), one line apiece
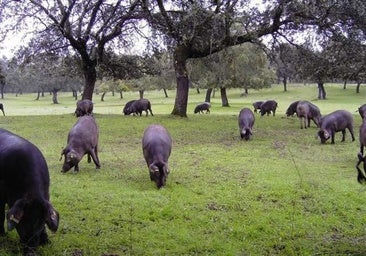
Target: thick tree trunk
point(54, 96)
point(90, 75)
point(321, 91)
point(208, 95)
point(224, 100)
point(141, 93)
point(2, 86)
point(181, 98)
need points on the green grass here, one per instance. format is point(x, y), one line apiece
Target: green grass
point(281, 193)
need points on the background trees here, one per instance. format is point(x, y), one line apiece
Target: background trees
point(98, 32)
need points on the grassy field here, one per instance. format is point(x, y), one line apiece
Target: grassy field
point(281, 193)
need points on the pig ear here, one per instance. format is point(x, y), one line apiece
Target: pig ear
point(153, 168)
point(15, 214)
point(63, 152)
point(52, 218)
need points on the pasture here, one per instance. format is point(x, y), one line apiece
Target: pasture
point(281, 193)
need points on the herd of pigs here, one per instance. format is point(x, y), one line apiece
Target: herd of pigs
point(24, 175)
point(337, 121)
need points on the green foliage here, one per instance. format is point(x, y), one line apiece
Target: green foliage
point(282, 193)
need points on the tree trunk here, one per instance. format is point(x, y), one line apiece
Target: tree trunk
point(54, 96)
point(74, 94)
point(345, 84)
point(102, 98)
point(165, 93)
point(358, 87)
point(224, 100)
point(38, 95)
point(2, 86)
point(284, 81)
point(181, 98)
point(321, 91)
point(198, 90)
point(90, 75)
point(141, 93)
point(121, 94)
point(208, 95)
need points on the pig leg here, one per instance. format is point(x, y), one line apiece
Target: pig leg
point(94, 155)
point(352, 135)
point(344, 135)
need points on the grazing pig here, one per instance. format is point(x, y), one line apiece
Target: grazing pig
point(138, 106)
point(292, 109)
point(125, 109)
point(82, 139)
point(307, 111)
point(336, 121)
point(84, 107)
point(362, 110)
point(361, 178)
point(246, 121)
point(24, 187)
point(2, 108)
point(201, 107)
point(156, 147)
point(257, 105)
point(268, 107)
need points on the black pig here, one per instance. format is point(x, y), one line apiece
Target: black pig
point(138, 106)
point(24, 187)
point(246, 121)
point(2, 108)
point(156, 147)
point(257, 105)
point(307, 111)
point(292, 109)
point(201, 107)
point(82, 139)
point(84, 107)
point(127, 106)
point(362, 110)
point(267, 107)
point(339, 120)
point(361, 178)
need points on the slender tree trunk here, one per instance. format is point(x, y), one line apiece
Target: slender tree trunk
point(102, 98)
point(181, 98)
point(224, 100)
point(141, 93)
point(90, 76)
point(121, 94)
point(321, 91)
point(208, 95)
point(345, 84)
point(198, 90)
point(54, 96)
point(284, 81)
point(2, 86)
point(165, 93)
point(358, 87)
point(38, 95)
point(75, 94)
